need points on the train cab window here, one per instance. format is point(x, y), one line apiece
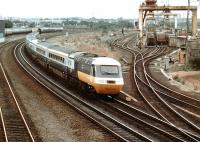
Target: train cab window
point(109, 70)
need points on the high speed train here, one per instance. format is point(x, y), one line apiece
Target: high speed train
point(89, 72)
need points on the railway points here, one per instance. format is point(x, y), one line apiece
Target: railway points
point(149, 54)
point(116, 81)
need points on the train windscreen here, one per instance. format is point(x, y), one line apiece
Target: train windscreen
point(109, 70)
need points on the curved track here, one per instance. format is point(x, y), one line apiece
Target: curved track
point(81, 104)
point(120, 125)
point(116, 118)
point(14, 126)
point(161, 107)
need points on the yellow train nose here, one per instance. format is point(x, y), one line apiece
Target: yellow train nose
point(107, 89)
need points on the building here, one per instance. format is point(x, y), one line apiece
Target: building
point(182, 55)
point(193, 51)
point(2, 30)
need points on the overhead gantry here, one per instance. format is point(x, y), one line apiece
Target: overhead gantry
point(151, 5)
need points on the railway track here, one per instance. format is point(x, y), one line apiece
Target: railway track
point(14, 126)
point(161, 107)
point(122, 45)
point(117, 128)
point(191, 104)
point(159, 127)
point(121, 126)
point(116, 125)
point(174, 97)
point(168, 105)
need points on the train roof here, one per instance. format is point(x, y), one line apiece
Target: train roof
point(105, 61)
point(85, 57)
point(73, 55)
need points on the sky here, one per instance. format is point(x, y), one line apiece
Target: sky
point(127, 9)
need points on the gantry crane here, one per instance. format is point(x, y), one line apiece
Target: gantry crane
point(151, 5)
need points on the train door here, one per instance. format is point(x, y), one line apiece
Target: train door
point(92, 73)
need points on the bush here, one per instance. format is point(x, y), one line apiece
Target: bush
point(8, 24)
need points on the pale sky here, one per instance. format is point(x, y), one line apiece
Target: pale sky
point(77, 8)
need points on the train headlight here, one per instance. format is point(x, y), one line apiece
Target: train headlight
point(100, 81)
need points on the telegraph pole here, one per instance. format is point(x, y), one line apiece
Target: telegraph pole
point(188, 12)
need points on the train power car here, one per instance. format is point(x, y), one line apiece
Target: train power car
point(90, 72)
point(161, 38)
point(150, 39)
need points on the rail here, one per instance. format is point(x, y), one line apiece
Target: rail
point(99, 116)
point(17, 104)
point(140, 89)
point(3, 124)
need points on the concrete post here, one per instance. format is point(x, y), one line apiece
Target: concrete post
point(194, 22)
point(141, 26)
point(176, 22)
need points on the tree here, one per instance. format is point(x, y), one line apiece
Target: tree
point(70, 22)
point(32, 25)
point(8, 24)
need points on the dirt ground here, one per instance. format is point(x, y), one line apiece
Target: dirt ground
point(186, 81)
point(91, 42)
point(190, 80)
point(54, 120)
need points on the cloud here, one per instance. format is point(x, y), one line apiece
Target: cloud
point(75, 8)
